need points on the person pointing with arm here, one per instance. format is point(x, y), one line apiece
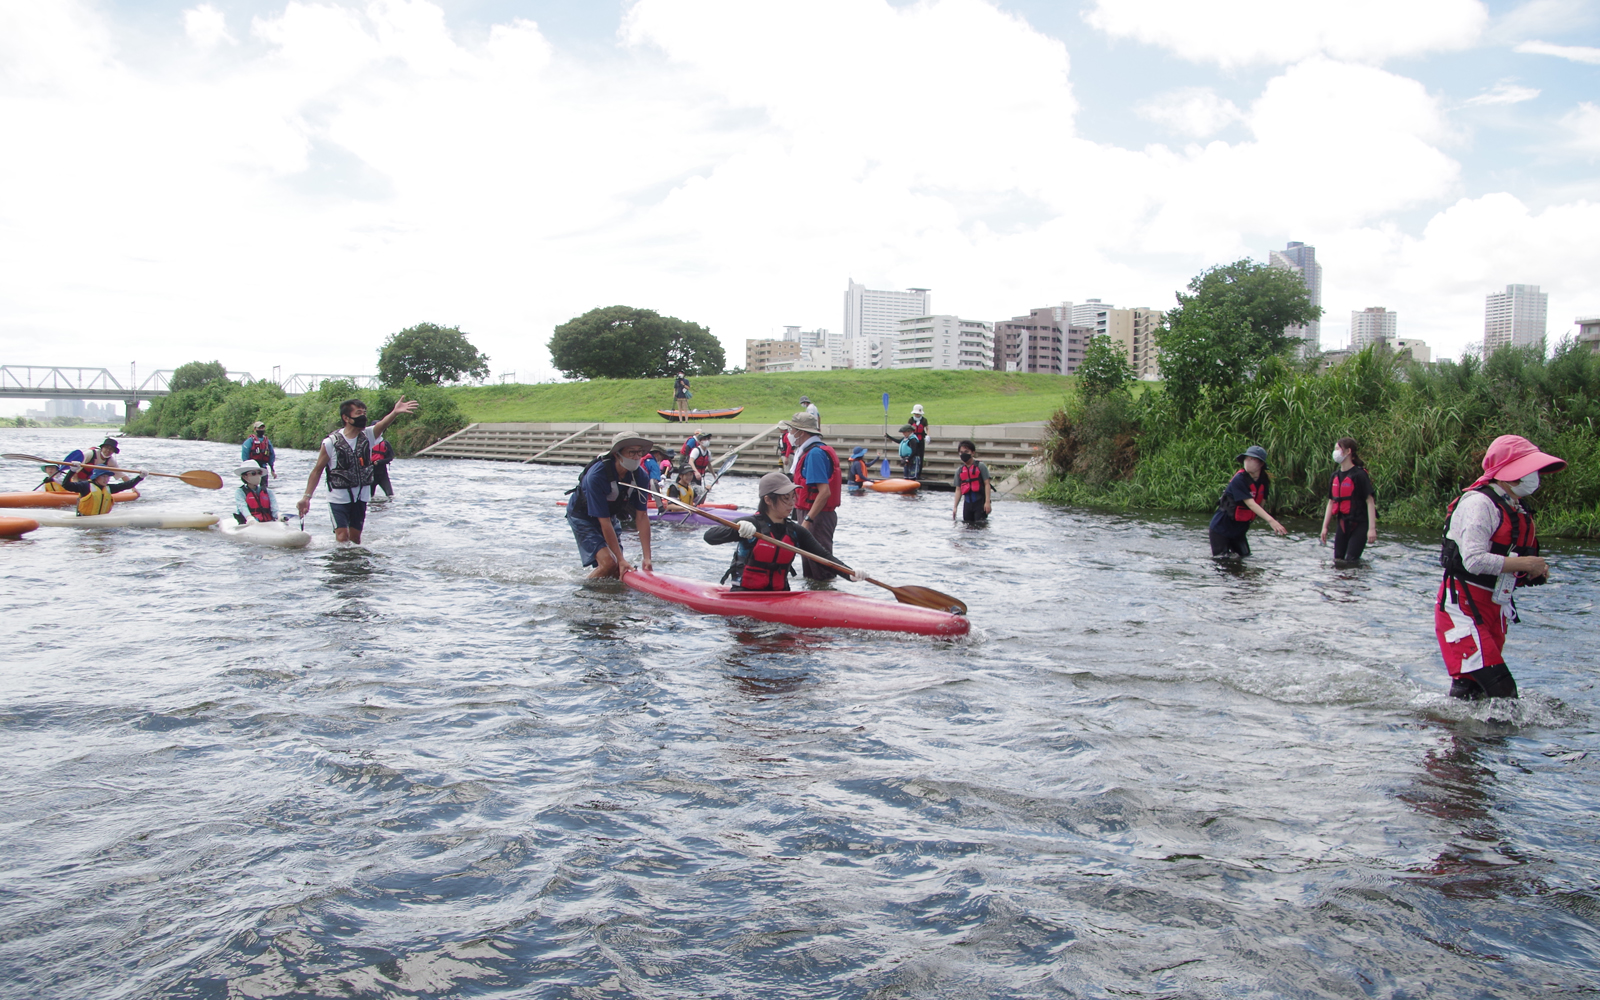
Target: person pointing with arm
point(346, 457)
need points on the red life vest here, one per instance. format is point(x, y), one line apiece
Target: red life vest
point(1258, 493)
point(969, 479)
point(919, 427)
point(807, 493)
point(259, 504)
point(702, 460)
point(769, 567)
point(260, 449)
point(858, 472)
point(1340, 491)
point(1516, 532)
point(381, 452)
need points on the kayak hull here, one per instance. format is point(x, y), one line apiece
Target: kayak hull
point(119, 520)
point(690, 517)
point(16, 527)
point(272, 533)
point(727, 414)
point(895, 485)
point(804, 608)
point(654, 504)
point(42, 499)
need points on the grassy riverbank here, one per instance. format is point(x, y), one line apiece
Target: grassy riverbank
point(1422, 433)
point(850, 396)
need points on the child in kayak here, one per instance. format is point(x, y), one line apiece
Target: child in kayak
point(253, 501)
point(95, 495)
point(686, 489)
point(757, 563)
point(859, 476)
point(1242, 502)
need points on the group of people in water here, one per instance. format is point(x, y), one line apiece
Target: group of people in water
point(1490, 547)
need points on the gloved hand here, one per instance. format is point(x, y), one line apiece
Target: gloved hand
point(747, 529)
point(855, 577)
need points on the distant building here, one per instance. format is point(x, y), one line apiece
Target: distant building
point(1302, 260)
point(798, 365)
point(1419, 350)
point(759, 355)
point(819, 346)
point(1033, 343)
point(1514, 317)
point(874, 315)
point(944, 342)
point(1134, 331)
point(1372, 325)
point(1589, 332)
point(1084, 313)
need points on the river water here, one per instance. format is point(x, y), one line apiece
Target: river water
point(441, 766)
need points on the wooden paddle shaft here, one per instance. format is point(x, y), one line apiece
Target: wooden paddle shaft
point(846, 570)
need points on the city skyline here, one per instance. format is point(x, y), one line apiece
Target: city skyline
point(246, 180)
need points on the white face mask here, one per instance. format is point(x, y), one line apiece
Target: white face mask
point(1526, 485)
point(631, 464)
point(1338, 456)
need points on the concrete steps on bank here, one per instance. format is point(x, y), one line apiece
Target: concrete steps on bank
point(1004, 447)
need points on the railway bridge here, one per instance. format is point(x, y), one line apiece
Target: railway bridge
point(71, 382)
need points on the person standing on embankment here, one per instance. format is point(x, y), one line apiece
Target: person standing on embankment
point(1353, 500)
point(1490, 548)
point(680, 397)
point(1243, 500)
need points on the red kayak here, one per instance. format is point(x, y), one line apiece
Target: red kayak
point(805, 608)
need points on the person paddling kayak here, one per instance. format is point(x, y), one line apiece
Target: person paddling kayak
point(599, 499)
point(95, 495)
point(253, 501)
point(757, 563)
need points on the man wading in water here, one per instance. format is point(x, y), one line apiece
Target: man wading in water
point(601, 497)
point(346, 456)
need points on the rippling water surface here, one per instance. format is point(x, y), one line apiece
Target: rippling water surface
point(441, 766)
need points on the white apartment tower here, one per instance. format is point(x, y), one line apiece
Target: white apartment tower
point(1302, 260)
point(874, 316)
point(1515, 317)
point(1372, 325)
point(945, 342)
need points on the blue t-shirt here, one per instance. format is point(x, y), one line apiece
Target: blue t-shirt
point(600, 487)
point(817, 468)
point(1239, 489)
point(652, 468)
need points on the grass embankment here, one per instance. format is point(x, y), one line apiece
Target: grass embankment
point(850, 396)
point(1422, 433)
point(225, 411)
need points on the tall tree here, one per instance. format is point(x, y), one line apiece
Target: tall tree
point(623, 342)
point(1105, 368)
point(1232, 319)
point(196, 374)
point(430, 354)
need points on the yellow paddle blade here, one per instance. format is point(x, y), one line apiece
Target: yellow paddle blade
point(927, 597)
point(203, 479)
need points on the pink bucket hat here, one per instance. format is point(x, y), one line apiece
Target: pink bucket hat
point(1511, 457)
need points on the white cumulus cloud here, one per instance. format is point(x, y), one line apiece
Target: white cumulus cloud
point(1234, 33)
point(1196, 112)
point(206, 26)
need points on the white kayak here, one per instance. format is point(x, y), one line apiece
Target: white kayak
point(274, 533)
point(117, 519)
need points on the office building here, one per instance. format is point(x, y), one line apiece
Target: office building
point(944, 342)
point(1589, 332)
point(1033, 343)
point(1134, 332)
point(1302, 260)
point(1514, 318)
point(1419, 351)
point(1372, 325)
point(874, 316)
point(759, 355)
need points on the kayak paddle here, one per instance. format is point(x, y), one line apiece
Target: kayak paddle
point(922, 597)
point(719, 474)
point(199, 478)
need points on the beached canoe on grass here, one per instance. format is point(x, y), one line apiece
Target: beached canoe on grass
point(826, 609)
point(727, 414)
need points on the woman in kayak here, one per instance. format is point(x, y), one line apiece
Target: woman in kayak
point(757, 563)
point(253, 501)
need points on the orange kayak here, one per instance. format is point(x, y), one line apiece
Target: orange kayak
point(895, 485)
point(16, 527)
point(39, 498)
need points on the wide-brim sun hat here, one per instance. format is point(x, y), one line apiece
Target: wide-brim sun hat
point(245, 467)
point(1510, 457)
point(622, 439)
point(775, 482)
point(917, 409)
point(858, 452)
point(801, 421)
point(259, 425)
point(1254, 451)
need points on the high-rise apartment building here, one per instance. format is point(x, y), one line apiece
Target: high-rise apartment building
point(1302, 260)
point(945, 342)
point(1515, 318)
point(1084, 313)
point(759, 355)
point(1134, 332)
point(1589, 332)
point(874, 315)
point(1033, 343)
point(1372, 325)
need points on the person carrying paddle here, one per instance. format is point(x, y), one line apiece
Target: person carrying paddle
point(816, 470)
point(346, 457)
point(972, 486)
point(54, 473)
point(599, 499)
point(757, 563)
point(258, 448)
point(105, 455)
point(252, 501)
point(1242, 502)
point(95, 493)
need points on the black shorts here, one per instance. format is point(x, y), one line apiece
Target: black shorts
point(349, 515)
point(1349, 540)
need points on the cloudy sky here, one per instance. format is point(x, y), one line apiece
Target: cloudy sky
point(271, 183)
